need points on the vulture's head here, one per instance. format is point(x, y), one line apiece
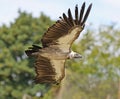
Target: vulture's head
point(73, 55)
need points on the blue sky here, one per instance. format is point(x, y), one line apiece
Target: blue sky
point(103, 11)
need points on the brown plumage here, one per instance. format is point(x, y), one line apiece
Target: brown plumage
point(56, 42)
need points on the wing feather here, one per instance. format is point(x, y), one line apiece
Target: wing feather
point(86, 15)
point(76, 14)
point(70, 17)
point(66, 19)
point(49, 71)
point(81, 13)
point(66, 30)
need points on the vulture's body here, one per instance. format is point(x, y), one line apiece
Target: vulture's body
point(57, 41)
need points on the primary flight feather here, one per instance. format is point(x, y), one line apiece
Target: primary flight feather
point(56, 46)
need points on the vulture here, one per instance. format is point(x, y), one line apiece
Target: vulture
point(56, 46)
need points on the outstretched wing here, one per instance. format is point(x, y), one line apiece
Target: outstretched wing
point(49, 71)
point(66, 30)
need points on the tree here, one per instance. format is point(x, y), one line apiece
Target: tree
point(16, 71)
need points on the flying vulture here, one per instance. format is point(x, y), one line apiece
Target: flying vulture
point(56, 46)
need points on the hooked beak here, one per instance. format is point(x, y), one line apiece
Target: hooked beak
point(77, 55)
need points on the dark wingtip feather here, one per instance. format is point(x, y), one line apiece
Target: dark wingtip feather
point(76, 14)
point(79, 19)
point(28, 52)
point(81, 12)
point(32, 50)
point(87, 13)
point(61, 18)
point(66, 19)
point(70, 17)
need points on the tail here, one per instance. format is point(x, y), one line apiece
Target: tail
point(32, 50)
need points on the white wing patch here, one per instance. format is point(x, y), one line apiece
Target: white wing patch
point(65, 41)
point(58, 65)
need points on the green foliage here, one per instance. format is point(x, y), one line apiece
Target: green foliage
point(16, 71)
point(97, 75)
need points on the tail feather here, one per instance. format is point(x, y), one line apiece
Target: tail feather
point(32, 50)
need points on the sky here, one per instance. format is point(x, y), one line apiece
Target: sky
point(102, 12)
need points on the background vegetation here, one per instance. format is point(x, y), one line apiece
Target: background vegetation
point(96, 76)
